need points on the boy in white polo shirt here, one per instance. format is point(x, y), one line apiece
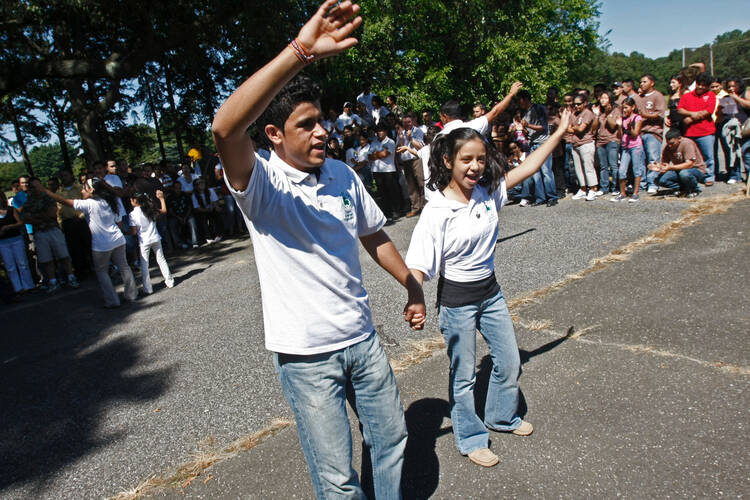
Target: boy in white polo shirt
point(306, 215)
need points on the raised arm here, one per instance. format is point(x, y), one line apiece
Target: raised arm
point(383, 251)
point(325, 34)
point(534, 161)
point(56, 196)
point(503, 105)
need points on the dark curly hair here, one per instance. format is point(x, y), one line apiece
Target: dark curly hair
point(300, 89)
point(448, 145)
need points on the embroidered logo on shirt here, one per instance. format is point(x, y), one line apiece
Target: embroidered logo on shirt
point(348, 207)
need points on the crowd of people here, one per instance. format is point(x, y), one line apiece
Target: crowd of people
point(110, 217)
point(307, 216)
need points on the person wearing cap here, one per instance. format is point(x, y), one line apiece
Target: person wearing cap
point(347, 118)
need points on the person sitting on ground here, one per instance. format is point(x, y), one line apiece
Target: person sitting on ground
point(682, 166)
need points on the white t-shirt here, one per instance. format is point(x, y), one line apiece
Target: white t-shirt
point(187, 185)
point(305, 233)
point(458, 240)
point(416, 135)
point(379, 114)
point(206, 200)
point(351, 157)
point(146, 228)
point(343, 120)
point(480, 124)
point(115, 181)
point(366, 99)
point(102, 221)
point(387, 164)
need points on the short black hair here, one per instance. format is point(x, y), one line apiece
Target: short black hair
point(451, 109)
point(300, 89)
point(704, 78)
point(673, 133)
point(524, 94)
point(649, 76)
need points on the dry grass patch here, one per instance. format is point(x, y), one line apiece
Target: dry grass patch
point(204, 457)
point(416, 352)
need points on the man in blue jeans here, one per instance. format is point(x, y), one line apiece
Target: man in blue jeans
point(682, 166)
point(306, 216)
point(535, 122)
point(697, 106)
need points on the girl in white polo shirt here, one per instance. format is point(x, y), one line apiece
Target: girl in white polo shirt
point(455, 239)
point(142, 224)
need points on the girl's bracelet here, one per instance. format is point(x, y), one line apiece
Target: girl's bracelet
point(302, 53)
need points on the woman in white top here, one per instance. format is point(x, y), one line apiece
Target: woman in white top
point(142, 224)
point(455, 239)
point(100, 207)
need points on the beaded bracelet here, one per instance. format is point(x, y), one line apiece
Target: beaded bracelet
point(301, 52)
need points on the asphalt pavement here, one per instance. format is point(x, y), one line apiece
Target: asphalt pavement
point(650, 399)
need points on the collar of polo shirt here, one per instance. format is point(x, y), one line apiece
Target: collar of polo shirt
point(295, 175)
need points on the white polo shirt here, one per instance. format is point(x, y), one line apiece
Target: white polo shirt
point(305, 237)
point(480, 124)
point(387, 164)
point(458, 240)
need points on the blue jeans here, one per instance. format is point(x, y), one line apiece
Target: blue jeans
point(608, 160)
point(316, 388)
point(706, 145)
point(459, 325)
point(543, 179)
point(652, 144)
point(746, 155)
point(637, 158)
point(685, 180)
point(570, 176)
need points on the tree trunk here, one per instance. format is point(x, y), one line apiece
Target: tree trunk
point(175, 116)
point(60, 124)
point(19, 137)
point(155, 118)
point(87, 122)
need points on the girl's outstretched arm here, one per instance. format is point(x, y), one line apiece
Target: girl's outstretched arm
point(535, 160)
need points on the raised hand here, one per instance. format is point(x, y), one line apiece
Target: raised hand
point(327, 32)
point(565, 118)
point(515, 88)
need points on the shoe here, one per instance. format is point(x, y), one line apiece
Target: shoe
point(218, 239)
point(524, 203)
point(538, 203)
point(599, 193)
point(694, 194)
point(591, 195)
point(653, 190)
point(709, 183)
point(732, 181)
point(73, 282)
point(619, 197)
point(525, 429)
point(634, 199)
point(551, 203)
point(169, 283)
point(412, 213)
point(195, 245)
point(484, 457)
point(52, 288)
point(581, 194)
point(615, 193)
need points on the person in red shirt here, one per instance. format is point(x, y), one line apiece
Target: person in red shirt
point(697, 106)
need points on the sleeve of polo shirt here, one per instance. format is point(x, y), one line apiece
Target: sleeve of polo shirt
point(480, 124)
point(500, 195)
point(250, 201)
point(82, 206)
point(370, 218)
point(425, 252)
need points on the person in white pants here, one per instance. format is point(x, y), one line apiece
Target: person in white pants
point(142, 224)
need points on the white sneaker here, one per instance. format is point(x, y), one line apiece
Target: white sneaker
point(169, 283)
point(524, 203)
point(581, 194)
point(653, 190)
point(732, 181)
point(615, 194)
point(591, 195)
point(599, 193)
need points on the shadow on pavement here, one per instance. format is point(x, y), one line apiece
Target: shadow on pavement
point(60, 375)
point(421, 472)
